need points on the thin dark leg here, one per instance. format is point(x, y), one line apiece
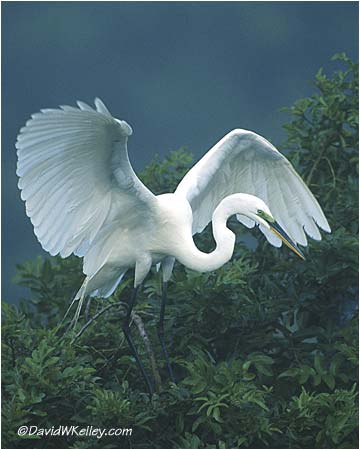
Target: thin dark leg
point(126, 330)
point(160, 332)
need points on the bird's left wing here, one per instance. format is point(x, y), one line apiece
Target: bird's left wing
point(244, 162)
point(76, 178)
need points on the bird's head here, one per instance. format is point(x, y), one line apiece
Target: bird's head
point(259, 212)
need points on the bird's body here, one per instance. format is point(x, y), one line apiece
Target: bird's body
point(166, 233)
point(83, 197)
point(167, 236)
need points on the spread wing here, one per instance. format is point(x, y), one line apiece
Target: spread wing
point(244, 162)
point(76, 178)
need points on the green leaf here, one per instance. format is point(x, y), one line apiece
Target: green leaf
point(329, 380)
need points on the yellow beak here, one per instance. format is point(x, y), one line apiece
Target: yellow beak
point(278, 231)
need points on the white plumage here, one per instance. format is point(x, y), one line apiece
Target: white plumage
point(83, 197)
point(245, 162)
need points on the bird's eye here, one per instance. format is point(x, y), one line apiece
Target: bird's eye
point(264, 215)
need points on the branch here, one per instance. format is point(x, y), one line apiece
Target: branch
point(140, 325)
point(89, 322)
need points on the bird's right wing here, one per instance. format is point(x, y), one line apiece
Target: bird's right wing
point(244, 162)
point(76, 178)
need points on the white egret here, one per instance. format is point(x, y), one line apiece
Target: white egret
point(83, 197)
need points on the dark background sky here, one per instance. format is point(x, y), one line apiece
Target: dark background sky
point(179, 73)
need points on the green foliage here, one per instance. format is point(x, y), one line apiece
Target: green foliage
point(163, 176)
point(265, 348)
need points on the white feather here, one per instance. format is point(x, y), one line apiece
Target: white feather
point(83, 197)
point(245, 162)
point(73, 169)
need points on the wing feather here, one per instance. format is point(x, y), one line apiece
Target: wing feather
point(84, 106)
point(75, 177)
point(244, 162)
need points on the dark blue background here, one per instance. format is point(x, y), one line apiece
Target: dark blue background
point(179, 73)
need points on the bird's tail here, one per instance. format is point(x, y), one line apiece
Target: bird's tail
point(81, 292)
point(80, 295)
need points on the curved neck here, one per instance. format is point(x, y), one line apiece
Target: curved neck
point(197, 260)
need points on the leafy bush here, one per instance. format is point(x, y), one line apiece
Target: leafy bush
point(265, 348)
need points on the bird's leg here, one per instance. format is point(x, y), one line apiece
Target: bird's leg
point(160, 331)
point(126, 330)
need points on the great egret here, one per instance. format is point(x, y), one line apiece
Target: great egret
point(83, 197)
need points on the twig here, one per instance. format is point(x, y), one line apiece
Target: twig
point(317, 161)
point(145, 313)
point(89, 322)
point(65, 315)
point(332, 171)
point(140, 325)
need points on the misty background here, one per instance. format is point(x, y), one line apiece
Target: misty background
point(181, 73)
